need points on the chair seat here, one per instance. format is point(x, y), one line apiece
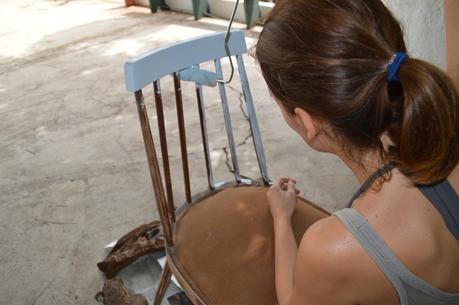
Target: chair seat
point(225, 245)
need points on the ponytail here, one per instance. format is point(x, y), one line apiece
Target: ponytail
point(330, 58)
point(426, 136)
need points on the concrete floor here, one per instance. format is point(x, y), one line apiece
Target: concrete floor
point(73, 168)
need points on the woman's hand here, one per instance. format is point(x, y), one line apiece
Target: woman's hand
point(282, 198)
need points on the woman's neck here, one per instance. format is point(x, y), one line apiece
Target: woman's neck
point(364, 166)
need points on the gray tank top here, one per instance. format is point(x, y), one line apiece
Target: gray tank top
point(411, 289)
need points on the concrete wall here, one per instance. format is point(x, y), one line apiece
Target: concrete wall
point(423, 23)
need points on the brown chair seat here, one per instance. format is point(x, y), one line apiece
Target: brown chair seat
point(225, 245)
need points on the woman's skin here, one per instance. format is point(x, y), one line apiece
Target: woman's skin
point(329, 266)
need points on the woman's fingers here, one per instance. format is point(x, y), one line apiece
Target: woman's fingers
point(286, 179)
point(282, 182)
point(297, 191)
point(284, 186)
point(291, 186)
point(279, 182)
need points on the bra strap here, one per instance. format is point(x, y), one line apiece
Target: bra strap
point(446, 201)
point(370, 180)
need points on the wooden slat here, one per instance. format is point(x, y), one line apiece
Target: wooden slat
point(181, 125)
point(204, 135)
point(164, 151)
point(153, 166)
point(163, 284)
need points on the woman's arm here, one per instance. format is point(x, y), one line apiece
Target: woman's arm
point(319, 272)
point(282, 200)
point(285, 251)
point(326, 268)
point(452, 38)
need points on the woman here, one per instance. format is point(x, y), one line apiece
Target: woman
point(339, 72)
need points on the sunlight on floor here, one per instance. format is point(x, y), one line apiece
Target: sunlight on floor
point(39, 23)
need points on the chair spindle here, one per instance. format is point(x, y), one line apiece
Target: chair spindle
point(154, 167)
point(253, 120)
point(226, 114)
point(181, 125)
point(204, 135)
point(164, 151)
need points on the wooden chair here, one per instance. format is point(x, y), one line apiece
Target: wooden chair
point(219, 243)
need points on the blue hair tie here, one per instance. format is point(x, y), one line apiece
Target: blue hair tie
point(394, 65)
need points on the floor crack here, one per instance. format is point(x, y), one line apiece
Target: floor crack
point(228, 160)
point(241, 101)
point(42, 292)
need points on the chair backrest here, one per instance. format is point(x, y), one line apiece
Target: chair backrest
point(150, 68)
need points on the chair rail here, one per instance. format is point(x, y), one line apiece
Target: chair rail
point(144, 69)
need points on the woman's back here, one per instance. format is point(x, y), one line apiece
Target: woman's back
point(341, 75)
point(414, 231)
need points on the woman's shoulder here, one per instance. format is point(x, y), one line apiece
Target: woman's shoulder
point(334, 251)
point(331, 255)
point(328, 240)
point(331, 234)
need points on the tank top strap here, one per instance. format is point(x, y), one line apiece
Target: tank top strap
point(399, 275)
point(375, 247)
point(446, 201)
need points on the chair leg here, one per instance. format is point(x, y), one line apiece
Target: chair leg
point(163, 284)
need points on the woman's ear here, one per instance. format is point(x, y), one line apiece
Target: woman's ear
point(308, 123)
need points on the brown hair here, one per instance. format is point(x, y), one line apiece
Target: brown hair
point(330, 57)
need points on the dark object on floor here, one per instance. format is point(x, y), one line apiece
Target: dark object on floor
point(143, 240)
point(179, 298)
point(114, 293)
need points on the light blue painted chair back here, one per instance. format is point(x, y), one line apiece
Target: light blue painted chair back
point(177, 60)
